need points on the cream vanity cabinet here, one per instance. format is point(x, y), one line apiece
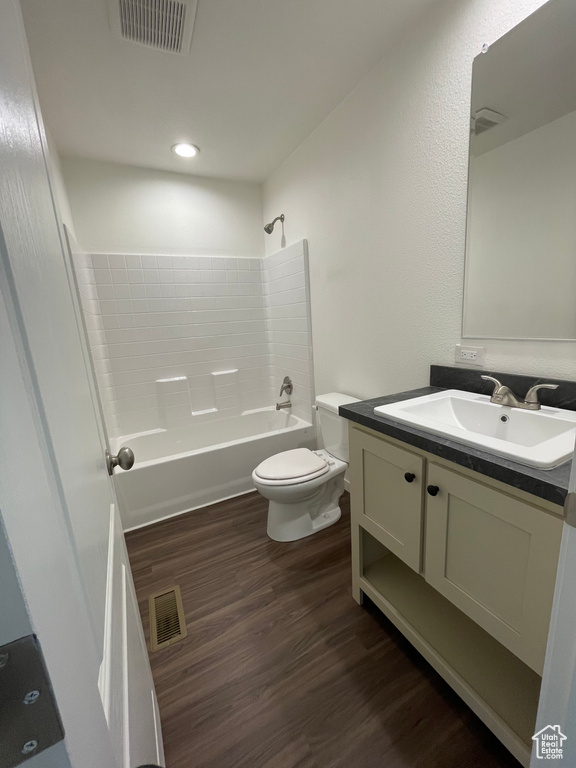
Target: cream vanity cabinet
point(495, 557)
point(465, 566)
point(388, 494)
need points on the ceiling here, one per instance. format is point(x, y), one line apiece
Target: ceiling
point(261, 75)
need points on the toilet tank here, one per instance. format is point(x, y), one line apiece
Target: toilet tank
point(333, 428)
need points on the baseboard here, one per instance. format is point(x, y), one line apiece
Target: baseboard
point(185, 511)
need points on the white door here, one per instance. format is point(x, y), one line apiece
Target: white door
point(557, 705)
point(57, 502)
point(41, 589)
point(37, 279)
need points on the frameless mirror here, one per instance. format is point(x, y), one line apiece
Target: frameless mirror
point(520, 276)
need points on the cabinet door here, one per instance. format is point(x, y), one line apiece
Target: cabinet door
point(387, 488)
point(495, 558)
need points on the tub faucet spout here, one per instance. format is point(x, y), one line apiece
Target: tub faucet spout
point(286, 404)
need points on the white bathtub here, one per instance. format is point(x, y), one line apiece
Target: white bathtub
point(181, 469)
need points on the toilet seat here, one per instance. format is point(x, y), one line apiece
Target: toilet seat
point(291, 467)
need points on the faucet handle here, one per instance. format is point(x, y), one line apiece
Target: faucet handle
point(497, 384)
point(532, 397)
point(287, 386)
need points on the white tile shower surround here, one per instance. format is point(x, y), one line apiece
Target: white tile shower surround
point(95, 330)
point(197, 338)
point(286, 290)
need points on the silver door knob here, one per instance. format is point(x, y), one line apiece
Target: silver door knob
point(124, 459)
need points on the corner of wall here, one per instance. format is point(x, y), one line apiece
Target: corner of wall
point(57, 181)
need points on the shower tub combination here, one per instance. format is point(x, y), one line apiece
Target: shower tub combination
point(183, 468)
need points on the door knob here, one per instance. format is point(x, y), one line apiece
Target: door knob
point(124, 459)
point(409, 477)
point(433, 490)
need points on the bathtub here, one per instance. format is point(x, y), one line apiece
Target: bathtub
point(177, 470)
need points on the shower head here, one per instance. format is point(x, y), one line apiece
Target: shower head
point(269, 227)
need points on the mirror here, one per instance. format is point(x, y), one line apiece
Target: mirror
point(520, 275)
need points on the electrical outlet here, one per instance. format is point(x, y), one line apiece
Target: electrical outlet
point(469, 355)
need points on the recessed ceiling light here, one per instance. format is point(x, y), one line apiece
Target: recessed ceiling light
point(185, 150)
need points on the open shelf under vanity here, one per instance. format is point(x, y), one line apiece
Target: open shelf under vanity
point(498, 687)
point(464, 566)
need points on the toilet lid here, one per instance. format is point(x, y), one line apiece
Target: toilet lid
point(291, 464)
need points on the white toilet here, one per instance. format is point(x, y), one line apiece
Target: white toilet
point(304, 486)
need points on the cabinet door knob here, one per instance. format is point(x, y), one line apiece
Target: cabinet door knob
point(433, 490)
point(409, 477)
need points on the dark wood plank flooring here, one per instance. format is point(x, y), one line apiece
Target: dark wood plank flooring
point(281, 668)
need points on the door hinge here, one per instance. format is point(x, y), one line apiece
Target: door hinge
point(570, 509)
point(29, 718)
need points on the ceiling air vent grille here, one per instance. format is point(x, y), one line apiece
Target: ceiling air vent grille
point(167, 623)
point(165, 25)
point(485, 119)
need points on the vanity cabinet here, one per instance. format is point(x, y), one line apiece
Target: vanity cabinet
point(495, 557)
point(388, 490)
point(465, 567)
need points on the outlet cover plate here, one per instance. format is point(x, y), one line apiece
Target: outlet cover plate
point(468, 355)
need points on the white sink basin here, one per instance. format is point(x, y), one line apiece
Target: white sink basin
point(543, 438)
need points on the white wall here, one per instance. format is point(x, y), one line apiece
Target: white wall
point(379, 191)
point(15, 619)
point(57, 181)
point(123, 209)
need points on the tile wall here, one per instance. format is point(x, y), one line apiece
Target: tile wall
point(287, 301)
point(183, 338)
point(96, 336)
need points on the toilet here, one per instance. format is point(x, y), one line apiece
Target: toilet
point(304, 486)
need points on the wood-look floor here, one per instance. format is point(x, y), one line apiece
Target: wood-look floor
point(281, 668)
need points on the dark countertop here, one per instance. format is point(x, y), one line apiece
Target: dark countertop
point(549, 484)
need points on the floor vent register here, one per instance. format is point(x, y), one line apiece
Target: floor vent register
point(167, 623)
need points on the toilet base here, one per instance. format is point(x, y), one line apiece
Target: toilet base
point(290, 522)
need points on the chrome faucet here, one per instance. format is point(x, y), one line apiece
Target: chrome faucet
point(287, 387)
point(503, 395)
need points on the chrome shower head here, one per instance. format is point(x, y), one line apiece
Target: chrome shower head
point(269, 227)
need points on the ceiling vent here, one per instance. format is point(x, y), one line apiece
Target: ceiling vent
point(485, 118)
point(165, 25)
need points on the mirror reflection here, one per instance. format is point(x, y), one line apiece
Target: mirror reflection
point(520, 277)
